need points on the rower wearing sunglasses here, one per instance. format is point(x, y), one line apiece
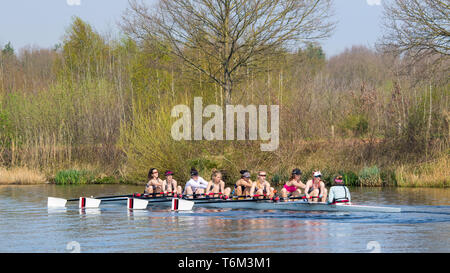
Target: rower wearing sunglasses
point(339, 193)
point(262, 187)
point(315, 189)
point(154, 185)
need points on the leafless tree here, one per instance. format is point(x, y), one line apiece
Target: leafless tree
point(228, 34)
point(418, 28)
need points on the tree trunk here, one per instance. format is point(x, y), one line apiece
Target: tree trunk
point(228, 86)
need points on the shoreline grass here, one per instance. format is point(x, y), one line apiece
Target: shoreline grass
point(21, 176)
point(434, 174)
point(431, 174)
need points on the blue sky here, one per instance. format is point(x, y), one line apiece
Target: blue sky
point(43, 22)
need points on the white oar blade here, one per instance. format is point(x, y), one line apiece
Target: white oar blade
point(134, 203)
point(54, 202)
point(182, 205)
point(87, 203)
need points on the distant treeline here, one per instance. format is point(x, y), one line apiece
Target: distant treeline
point(104, 104)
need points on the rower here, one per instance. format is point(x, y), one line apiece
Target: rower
point(217, 186)
point(294, 186)
point(155, 185)
point(339, 193)
point(262, 187)
point(315, 188)
point(243, 185)
point(196, 185)
point(170, 184)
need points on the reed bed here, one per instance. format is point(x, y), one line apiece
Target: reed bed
point(21, 176)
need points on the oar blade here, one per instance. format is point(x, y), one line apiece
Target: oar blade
point(53, 202)
point(88, 203)
point(182, 205)
point(136, 204)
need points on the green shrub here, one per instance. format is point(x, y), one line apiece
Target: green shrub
point(66, 177)
point(370, 177)
point(357, 124)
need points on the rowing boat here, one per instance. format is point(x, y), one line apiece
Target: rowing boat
point(267, 204)
point(257, 204)
point(288, 205)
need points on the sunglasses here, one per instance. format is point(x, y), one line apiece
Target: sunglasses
point(262, 175)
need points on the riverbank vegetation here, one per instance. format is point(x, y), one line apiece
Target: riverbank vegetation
point(97, 109)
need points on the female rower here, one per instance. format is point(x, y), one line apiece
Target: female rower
point(243, 185)
point(155, 185)
point(339, 193)
point(294, 186)
point(196, 185)
point(261, 186)
point(315, 188)
point(170, 184)
point(216, 185)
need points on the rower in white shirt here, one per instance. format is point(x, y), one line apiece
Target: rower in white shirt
point(339, 193)
point(196, 185)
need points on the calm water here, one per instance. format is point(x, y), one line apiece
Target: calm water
point(28, 226)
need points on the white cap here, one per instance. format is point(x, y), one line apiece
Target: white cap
point(317, 174)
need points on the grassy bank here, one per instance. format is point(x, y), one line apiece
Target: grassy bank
point(430, 174)
point(435, 174)
point(21, 176)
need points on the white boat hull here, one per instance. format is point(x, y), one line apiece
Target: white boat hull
point(292, 205)
point(296, 206)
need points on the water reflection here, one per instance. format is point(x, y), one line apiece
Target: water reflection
point(90, 211)
point(114, 228)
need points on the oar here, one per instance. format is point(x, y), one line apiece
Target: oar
point(182, 204)
point(105, 197)
point(54, 202)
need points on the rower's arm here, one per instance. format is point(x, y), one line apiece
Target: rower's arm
point(307, 189)
point(322, 189)
point(331, 195)
point(300, 184)
point(208, 187)
point(203, 183)
point(252, 189)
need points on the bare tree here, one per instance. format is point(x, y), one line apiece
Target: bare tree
point(417, 27)
point(228, 34)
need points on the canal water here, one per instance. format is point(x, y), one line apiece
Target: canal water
point(27, 225)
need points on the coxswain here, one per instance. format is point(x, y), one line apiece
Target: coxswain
point(339, 193)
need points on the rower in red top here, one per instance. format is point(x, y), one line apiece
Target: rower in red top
point(294, 186)
point(315, 188)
